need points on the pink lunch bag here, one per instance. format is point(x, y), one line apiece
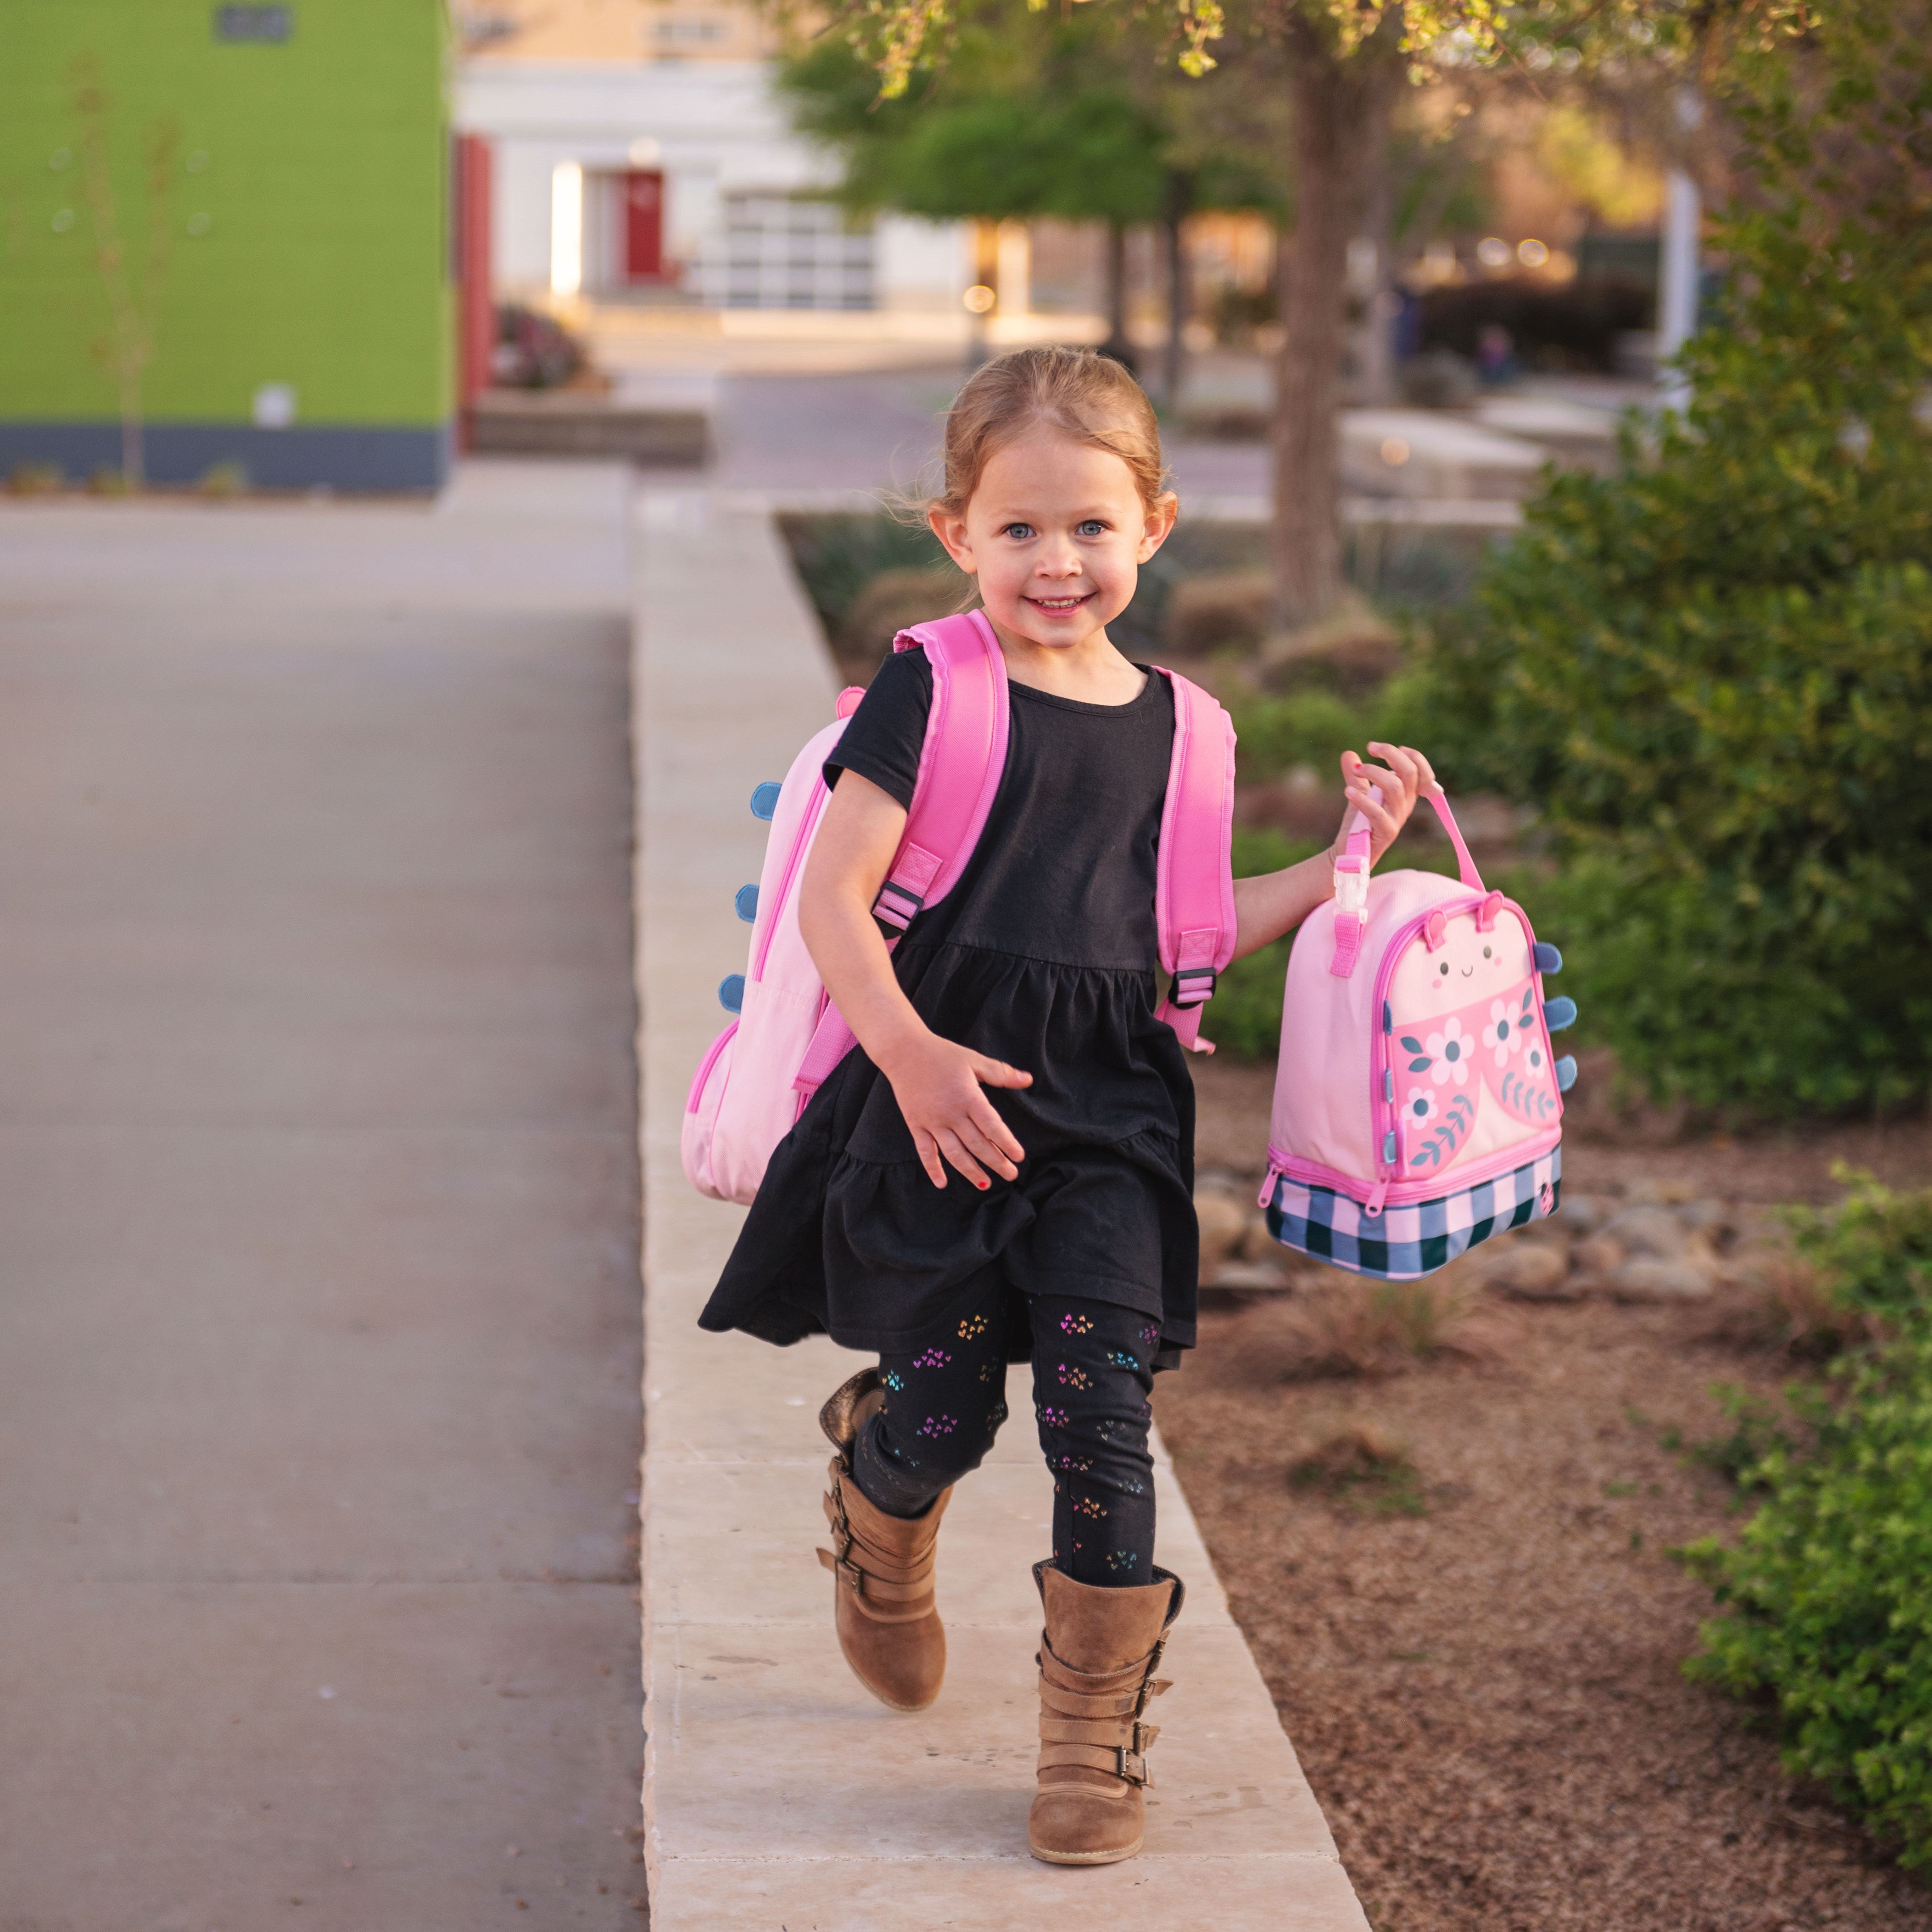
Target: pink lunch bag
point(759, 1073)
point(1417, 1108)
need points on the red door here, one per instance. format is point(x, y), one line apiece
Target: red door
point(644, 225)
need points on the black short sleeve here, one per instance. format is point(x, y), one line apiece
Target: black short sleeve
point(883, 738)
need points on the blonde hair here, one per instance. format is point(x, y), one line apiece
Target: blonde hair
point(1088, 396)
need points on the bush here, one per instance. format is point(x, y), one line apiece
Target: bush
point(1873, 1250)
point(1711, 670)
point(1829, 1611)
point(1244, 1018)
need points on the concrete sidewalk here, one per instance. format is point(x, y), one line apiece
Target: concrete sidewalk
point(779, 1796)
point(319, 1337)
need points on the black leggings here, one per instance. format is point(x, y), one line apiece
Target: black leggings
point(1093, 1373)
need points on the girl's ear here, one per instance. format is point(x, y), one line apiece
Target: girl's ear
point(950, 528)
point(1159, 525)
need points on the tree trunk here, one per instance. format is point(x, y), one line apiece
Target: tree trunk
point(1377, 362)
point(1342, 111)
point(1116, 344)
point(1179, 201)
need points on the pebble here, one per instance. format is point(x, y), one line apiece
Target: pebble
point(1531, 1271)
point(1578, 1214)
point(1648, 1230)
point(1647, 1278)
point(1705, 1217)
point(1600, 1255)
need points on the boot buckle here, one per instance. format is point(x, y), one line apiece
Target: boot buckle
point(1131, 1767)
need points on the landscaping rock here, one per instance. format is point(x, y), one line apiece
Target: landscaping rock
point(1711, 1219)
point(1580, 1213)
point(1648, 1230)
point(1646, 1278)
point(1250, 1275)
point(1257, 1243)
point(1530, 1271)
point(1549, 1230)
point(1224, 1224)
point(1600, 1255)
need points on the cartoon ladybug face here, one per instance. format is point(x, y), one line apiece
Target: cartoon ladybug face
point(1464, 964)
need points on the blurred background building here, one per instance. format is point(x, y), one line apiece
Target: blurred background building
point(641, 156)
point(231, 244)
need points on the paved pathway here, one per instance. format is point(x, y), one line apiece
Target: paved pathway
point(319, 1337)
point(779, 1796)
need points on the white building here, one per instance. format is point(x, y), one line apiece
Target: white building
point(639, 153)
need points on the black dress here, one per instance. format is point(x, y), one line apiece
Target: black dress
point(1045, 955)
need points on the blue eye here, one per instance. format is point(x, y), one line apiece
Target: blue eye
point(1093, 527)
point(1017, 530)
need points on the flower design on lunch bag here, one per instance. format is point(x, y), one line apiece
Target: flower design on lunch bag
point(1420, 1107)
point(1448, 1052)
point(1503, 1036)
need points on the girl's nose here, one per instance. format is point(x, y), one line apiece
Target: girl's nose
point(1059, 560)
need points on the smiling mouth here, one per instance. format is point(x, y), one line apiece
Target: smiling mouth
point(1060, 606)
point(1466, 970)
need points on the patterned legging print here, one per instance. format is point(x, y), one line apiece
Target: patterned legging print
point(1092, 1372)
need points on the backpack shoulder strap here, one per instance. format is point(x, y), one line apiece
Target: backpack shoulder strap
point(1193, 893)
point(960, 765)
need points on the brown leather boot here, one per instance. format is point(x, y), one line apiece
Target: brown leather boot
point(888, 1626)
point(1097, 1657)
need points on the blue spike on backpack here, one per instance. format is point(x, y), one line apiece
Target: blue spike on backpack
point(1548, 959)
point(1565, 1070)
point(1560, 1012)
point(765, 799)
point(731, 992)
point(746, 903)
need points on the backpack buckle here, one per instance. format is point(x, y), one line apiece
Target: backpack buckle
point(1351, 885)
point(1194, 986)
point(895, 908)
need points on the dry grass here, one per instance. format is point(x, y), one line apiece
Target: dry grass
point(1780, 1303)
point(1362, 1466)
point(1353, 1327)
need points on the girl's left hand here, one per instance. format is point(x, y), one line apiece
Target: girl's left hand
point(1404, 776)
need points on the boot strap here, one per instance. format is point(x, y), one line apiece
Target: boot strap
point(1089, 1704)
point(1129, 1766)
point(883, 1601)
point(1055, 1729)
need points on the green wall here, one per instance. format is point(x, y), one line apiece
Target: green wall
point(306, 211)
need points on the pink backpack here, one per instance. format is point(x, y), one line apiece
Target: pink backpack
point(759, 1073)
point(1417, 1103)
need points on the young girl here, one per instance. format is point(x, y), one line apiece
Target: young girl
point(1005, 1164)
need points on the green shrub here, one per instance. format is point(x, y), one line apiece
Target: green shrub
point(1830, 1593)
point(1712, 670)
point(1244, 1019)
point(1829, 1589)
point(1872, 1250)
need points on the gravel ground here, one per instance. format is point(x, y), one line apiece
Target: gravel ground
point(1486, 1695)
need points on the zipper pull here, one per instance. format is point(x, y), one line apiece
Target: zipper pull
point(1373, 1208)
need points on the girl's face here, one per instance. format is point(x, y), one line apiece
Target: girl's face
point(1055, 532)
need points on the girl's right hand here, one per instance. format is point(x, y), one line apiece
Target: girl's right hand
point(939, 1085)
